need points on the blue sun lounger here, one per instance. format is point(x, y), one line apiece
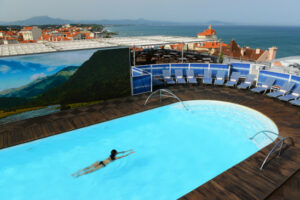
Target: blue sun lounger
point(207, 79)
point(294, 95)
point(156, 82)
point(167, 77)
point(285, 89)
point(179, 76)
point(266, 85)
point(295, 102)
point(234, 78)
point(220, 78)
point(190, 77)
point(248, 82)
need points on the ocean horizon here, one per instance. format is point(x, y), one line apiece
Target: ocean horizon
point(285, 38)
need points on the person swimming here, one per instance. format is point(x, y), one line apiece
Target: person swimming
point(100, 164)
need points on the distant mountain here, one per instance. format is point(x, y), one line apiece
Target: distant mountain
point(41, 85)
point(128, 22)
point(43, 20)
point(216, 22)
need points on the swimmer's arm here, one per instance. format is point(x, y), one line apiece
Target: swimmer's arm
point(125, 151)
point(125, 155)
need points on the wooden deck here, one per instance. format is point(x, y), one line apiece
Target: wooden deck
point(243, 181)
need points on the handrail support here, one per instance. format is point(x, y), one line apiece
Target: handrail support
point(170, 94)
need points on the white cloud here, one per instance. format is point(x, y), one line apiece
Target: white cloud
point(4, 69)
point(50, 69)
point(37, 76)
point(71, 58)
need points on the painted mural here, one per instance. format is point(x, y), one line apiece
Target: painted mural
point(61, 78)
point(17, 71)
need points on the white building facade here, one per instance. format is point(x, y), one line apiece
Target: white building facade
point(31, 33)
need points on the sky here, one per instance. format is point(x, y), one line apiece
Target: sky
point(255, 12)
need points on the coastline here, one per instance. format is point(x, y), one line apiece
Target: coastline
point(286, 38)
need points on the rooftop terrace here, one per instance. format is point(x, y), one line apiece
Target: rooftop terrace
point(46, 47)
point(243, 181)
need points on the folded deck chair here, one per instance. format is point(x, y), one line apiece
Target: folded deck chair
point(207, 79)
point(234, 78)
point(156, 81)
point(220, 78)
point(179, 76)
point(248, 82)
point(285, 89)
point(167, 77)
point(266, 85)
point(190, 77)
point(294, 95)
point(295, 102)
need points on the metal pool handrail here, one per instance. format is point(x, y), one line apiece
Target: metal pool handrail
point(264, 132)
point(273, 150)
point(280, 142)
point(170, 94)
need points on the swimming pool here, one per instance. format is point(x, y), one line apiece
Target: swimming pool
point(176, 151)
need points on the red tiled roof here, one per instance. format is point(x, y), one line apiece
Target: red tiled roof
point(177, 46)
point(278, 63)
point(208, 32)
point(213, 45)
point(27, 28)
point(10, 38)
point(233, 50)
point(28, 41)
point(11, 33)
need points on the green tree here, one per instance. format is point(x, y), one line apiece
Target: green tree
point(221, 57)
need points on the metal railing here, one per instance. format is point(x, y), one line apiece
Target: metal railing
point(281, 141)
point(169, 94)
point(277, 144)
point(264, 132)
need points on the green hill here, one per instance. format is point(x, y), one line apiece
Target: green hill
point(104, 76)
point(41, 85)
point(8, 103)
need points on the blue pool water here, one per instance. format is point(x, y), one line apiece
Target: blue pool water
point(176, 151)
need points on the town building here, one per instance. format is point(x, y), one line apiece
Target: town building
point(234, 51)
point(208, 34)
point(31, 33)
point(2, 34)
point(10, 40)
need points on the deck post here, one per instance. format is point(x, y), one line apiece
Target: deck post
point(229, 68)
point(257, 78)
point(133, 55)
point(182, 52)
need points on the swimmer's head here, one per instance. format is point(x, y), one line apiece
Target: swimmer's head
point(113, 154)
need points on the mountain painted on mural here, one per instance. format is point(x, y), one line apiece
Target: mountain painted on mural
point(44, 20)
point(40, 85)
point(105, 75)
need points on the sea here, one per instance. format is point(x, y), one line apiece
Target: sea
point(285, 38)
